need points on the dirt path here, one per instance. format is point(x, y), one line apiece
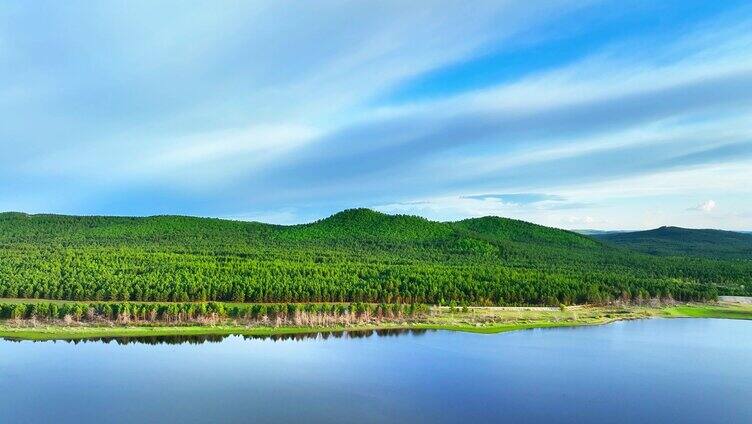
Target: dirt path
point(511, 308)
point(747, 300)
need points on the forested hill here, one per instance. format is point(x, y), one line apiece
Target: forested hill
point(675, 241)
point(355, 255)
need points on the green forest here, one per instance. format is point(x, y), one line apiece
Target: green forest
point(675, 241)
point(358, 255)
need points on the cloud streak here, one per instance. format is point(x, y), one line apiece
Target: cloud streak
point(275, 109)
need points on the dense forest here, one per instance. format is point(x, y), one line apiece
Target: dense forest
point(354, 256)
point(675, 241)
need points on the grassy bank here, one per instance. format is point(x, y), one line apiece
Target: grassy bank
point(711, 311)
point(476, 320)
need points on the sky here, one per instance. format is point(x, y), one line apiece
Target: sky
point(574, 114)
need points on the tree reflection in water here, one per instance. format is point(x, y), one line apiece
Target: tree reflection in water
point(217, 338)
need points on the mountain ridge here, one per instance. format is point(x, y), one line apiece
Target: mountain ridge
point(353, 255)
point(677, 241)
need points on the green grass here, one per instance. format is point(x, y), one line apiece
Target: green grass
point(477, 320)
point(78, 333)
point(710, 311)
point(75, 333)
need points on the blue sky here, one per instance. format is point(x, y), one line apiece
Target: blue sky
point(574, 114)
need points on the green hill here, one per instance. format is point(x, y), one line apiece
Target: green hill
point(354, 255)
point(512, 230)
point(675, 241)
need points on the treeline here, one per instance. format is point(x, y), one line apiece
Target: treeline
point(354, 256)
point(276, 314)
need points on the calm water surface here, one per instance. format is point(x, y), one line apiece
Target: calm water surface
point(681, 370)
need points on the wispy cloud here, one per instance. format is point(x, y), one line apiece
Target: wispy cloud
point(525, 206)
point(263, 107)
point(574, 111)
point(706, 206)
point(518, 198)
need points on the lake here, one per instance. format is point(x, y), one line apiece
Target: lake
point(647, 371)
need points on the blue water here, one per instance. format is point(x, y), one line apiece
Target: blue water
point(650, 371)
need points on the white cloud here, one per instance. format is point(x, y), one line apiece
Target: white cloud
point(579, 221)
point(452, 208)
point(286, 216)
point(260, 108)
point(706, 206)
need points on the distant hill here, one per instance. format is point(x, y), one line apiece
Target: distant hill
point(354, 255)
point(675, 241)
point(591, 232)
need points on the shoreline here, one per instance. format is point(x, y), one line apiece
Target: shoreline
point(480, 320)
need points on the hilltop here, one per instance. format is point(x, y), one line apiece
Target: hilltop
point(676, 241)
point(355, 255)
